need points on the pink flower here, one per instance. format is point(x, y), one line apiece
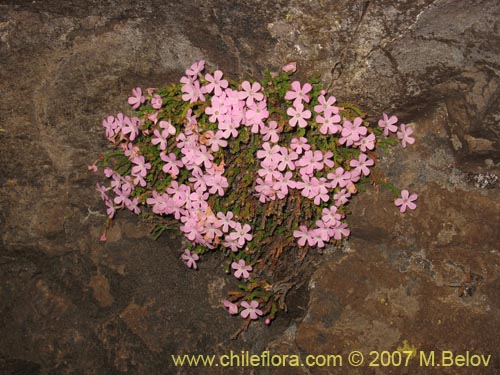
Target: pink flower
point(217, 110)
point(310, 161)
point(255, 115)
point(232, 308)
point(250, 92)
point(265, 190)
point(303, 234)
point(226, 220)
point(404, 134)
point(406, 201)
point(287, 159)
point(137, 99)
point(298, 93)
point(330, 124)
point(160, 138)
point(141, 168)
point(241, 269)
point(299, 145)
point(342, 197)
point(330, 216)
point(196, 68)
point(215, 83)
point(250, 310)
point(352, 131)
point(190, 259)
point(172, 165)
point(282, 184)
point(388, 124)
point(326, 105)
point(215, 141)
point(131, 127)
point(156, 102)
point(361, 165)
point(340, 230)
point(192, 92)
point(153, 117)
point(110, 125)
point(241, 233)
point(133, 205)
point(366, 143)
point(217, 183)
point(298, 115)
point(269, 153)
point(270, 133)
point(290, 67)
point(92, 168)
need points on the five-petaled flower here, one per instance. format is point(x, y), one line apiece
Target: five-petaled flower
point(232, 308)
point(250, 310)
point(241, 269)
point(137, 99)
point(406, 201)
point(190, 259)
point(404, 134)
point(387, 123)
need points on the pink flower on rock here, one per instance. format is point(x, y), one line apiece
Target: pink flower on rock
point(361, 165)
point(404, 134)
point(190, 259)
point(241, 269)
point(137, 99)
point(196, 68)
point(290, 67)
point(250, 310)
point(406, 201)
point(388, 124)
point(232, 308)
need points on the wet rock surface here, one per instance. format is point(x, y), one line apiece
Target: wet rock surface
point(70, 304)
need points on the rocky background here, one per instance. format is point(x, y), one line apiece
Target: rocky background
point(428, 279)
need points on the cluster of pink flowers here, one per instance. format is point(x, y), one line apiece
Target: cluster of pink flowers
point(286, 164)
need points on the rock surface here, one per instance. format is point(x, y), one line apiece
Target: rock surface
point(70, 304)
